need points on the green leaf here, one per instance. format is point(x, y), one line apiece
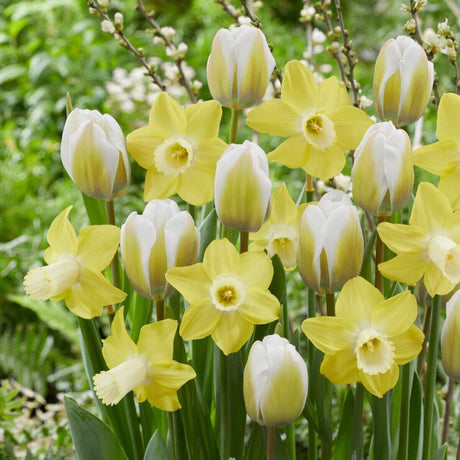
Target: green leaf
point(278, 284)
point(156, 448)
point(416, 419)
point(207, 232)
point(441, 453)
point(343, 440)
point(12, 72)
point(256, 448)
point(92, 438)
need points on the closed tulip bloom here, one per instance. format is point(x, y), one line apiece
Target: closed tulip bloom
point(275, 382)
point(242, 187)
point(403, 78)
point(382, 173)
point(239, 67)
point(94, 154)
point(151, 243)
point(331, 247)
point(450, 338)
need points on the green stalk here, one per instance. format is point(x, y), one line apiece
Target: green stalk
point(430, 380)
point(233, 126)
point(172, 435)
point(379, 256)
point(356, 444)
point(404, 414)
point(381, 427)
point(133, 426)
point(141, 315)
point(115, 262)
point(160, 308)
point(244, 242)
point(271, 432)
point(330, 303)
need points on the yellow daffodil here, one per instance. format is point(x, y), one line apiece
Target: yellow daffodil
point(228, 293)
point(280, 233)
point(147, 368)
point(74, 267)
point(443, 157)
point(319, 119)
point(428, 247)
point(179, 148)
point(368, 338)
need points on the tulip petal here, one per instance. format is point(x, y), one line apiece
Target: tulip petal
point(274, 117)
point(293, 152)
point(330, 333)
point(156, 340)
point(221, 257)
point(256, 269)
point(199, 320)
point(407, 268)
point(158, 186)
point(259, 306)
point(168, 117)
point(441, 158)
point(325, 164)
point(299, 88)
point(403, 238)
point(232, 332)
point(203, 119)
point(192, 282)
point(340, 368)
point(61, 236)
point(448, 123)
point(142, 143)
point(350, 125)
point(379, 384)
point(408, 345)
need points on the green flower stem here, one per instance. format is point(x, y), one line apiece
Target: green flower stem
point(244, 242)
point(330, 303)
point(147, 420)
point(381, 427)
point(172, 435)
point(356, 444)
point(430, 379)
point(379, 256)
point(115, 261)
point(233, 126)
point(133, 426)
point(271, 433)
point(141, 315)
point(406, 379)
point(312, 442)
point(160, 308)
point(290, 440)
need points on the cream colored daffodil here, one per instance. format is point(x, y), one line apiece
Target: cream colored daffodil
point(147, 368)
point(179, 148)
point(428, 247)
point(318, 118)
point(368, 338)
point(228, 293)
point(443, 157)
point(74, 267)
point(280, 233)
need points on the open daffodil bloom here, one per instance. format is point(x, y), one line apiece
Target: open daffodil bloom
point(428, 247)
point(147, 367)
point(74, 267)
point(318, 118)
point(368, 338)
point(228, 293)
point(179, 148)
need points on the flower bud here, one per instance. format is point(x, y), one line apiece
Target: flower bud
point(242, 187)
point(151, 243)
point(403, 78)
point(275, 382)
point(382, 173)
point(450, 338)
point(239, 67)
point(93, 152)
point(331, 247)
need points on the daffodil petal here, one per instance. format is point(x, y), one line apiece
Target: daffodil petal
point(441, 158)
point(156, 340)
point(158, 186)
point(379, 384)
point(197, 186)
point(448, 123)
point(232, 332)
point(274, 117)
point(350, 125)
point(396, 314)
point(203, 120)
point(61, 235)
point(260, 306)
point(430, 209)
point(192, 282)
point(293, 152)
point(256, 269)
point(408, 345)
point(167, 116)
point(325, 164)
point(159, 396)
point(119, 345)
point(199, 320)
point(436, 282)
point(299, 88)
point(221, 257)
point(284, 210)
point(142, 143)
point(97, 245)
point(357, 300)
point(208, 152)
point(402, 238)
point(331, 95)
point(407, 268)
point(172, 374)
point(340, 368)
point(329, 333)
point(449, 186)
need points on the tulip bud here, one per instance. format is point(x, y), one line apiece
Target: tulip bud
point(382, 173)
point(450, 338)
point(331, 247)
point(275, 382)
point(151, 243)
point(93, 152)
point(242, 187)
point(239, 67)
point(403, 79)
